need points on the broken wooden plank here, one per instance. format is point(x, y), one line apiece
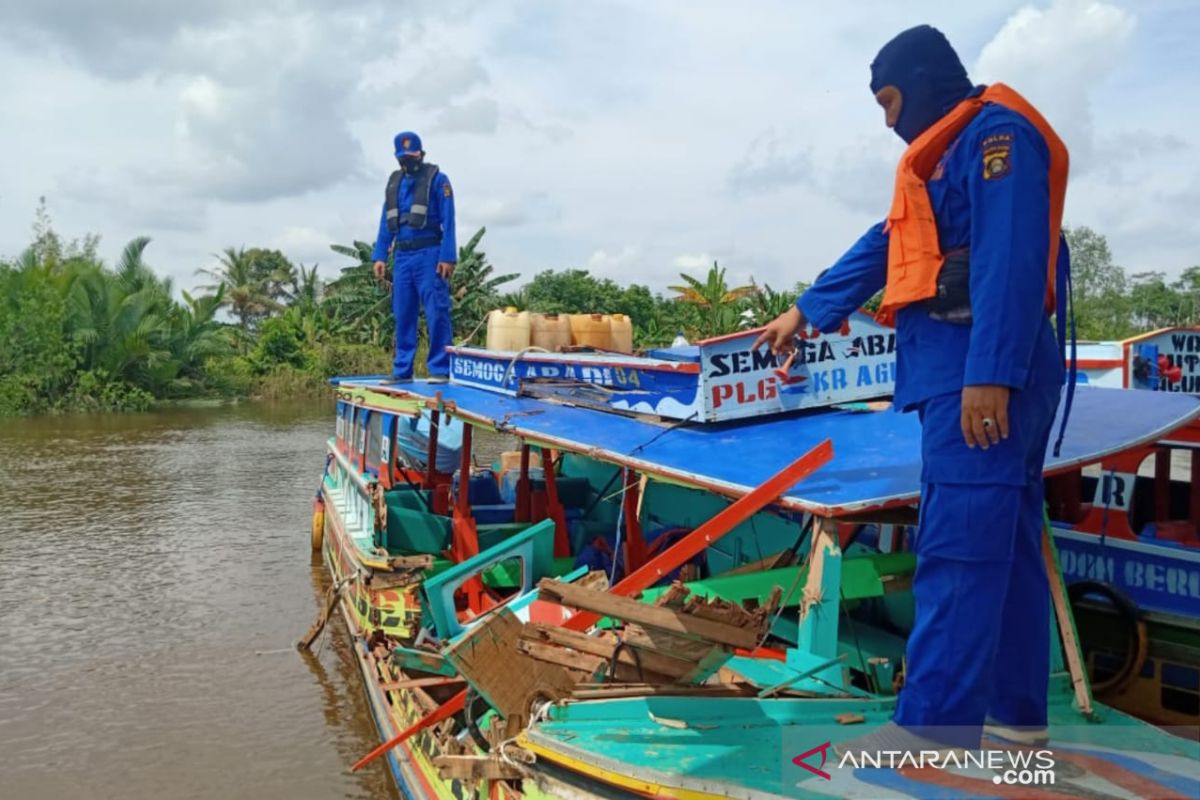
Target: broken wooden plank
point(666, 619)
point(690, 650)
point(509, 680)
point(587, 667)
point(603, 646)
point(850, 718)
point(418, 562)
point(476, 768)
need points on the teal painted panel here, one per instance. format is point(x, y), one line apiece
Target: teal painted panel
point(534, 546)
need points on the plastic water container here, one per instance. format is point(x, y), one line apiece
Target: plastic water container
point(508, 329)
point(622, 333)
point(591, 330)
point(550, 331)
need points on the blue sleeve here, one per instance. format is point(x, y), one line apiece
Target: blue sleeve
point(849, 283)
point(445, 195)
point(383, 240)
point(1009, 190)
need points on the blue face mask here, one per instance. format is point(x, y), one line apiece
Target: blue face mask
point(932, 80)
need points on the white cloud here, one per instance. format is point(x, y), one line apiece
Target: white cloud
point(619, 265)
point(1058, 57)
point(619, 137)
point(480, 115)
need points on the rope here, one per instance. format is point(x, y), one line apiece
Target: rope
point(515, 358)
point(471, 335)
point(612, 578)
point(525, 758)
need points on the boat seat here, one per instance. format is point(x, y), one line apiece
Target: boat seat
point(493, 513)
point(410, 531)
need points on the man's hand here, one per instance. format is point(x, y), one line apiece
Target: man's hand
point(780, 332)
point(984, 415)
point(445, 269)
point(380, 270)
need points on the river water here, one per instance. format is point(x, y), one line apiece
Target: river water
point(155, 571)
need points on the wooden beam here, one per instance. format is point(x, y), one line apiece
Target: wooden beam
point(444, 711)
point(721, 524)
point(1066, 623)
point(475, 768)
point(603, 646)
point(665, 619)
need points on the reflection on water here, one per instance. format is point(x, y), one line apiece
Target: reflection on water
point(154, 573)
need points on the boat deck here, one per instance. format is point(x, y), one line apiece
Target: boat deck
point(743, 748)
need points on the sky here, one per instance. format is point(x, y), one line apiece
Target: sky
point(635, 139)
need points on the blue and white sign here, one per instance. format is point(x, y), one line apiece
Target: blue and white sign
point(1155, 576)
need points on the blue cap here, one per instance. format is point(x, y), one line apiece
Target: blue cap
point(407, 143)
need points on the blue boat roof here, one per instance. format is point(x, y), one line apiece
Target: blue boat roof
point(876, 454)
point(688, 353)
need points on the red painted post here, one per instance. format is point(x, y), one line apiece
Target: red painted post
point(435, 418)
point(521, 514)
point(1162, 484)
point(562, 546)
point(726, 520)
point(635, 545)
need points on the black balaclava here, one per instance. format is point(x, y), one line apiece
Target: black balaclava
point(410, 164)
point(920, 63)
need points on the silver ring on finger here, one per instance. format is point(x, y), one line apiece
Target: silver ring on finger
point(988, 422)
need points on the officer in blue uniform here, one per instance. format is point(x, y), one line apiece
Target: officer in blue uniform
point(417, 228)
point(981, 367)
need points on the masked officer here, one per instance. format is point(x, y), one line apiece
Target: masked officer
point(417, 226)
point(967, 258)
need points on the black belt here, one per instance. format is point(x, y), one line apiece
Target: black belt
point(408, 245)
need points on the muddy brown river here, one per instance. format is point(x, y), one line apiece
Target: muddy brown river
point(155, 572)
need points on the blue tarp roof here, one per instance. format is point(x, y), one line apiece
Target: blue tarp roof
point(876, 459)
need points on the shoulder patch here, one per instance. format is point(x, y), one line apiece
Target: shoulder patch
point(997, 155)
point(446, 190)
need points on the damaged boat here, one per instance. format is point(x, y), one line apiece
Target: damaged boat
point(688, 577)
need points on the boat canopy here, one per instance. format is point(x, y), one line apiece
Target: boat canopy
point(877, 453)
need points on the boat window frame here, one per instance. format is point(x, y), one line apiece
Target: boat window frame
point(372, 438)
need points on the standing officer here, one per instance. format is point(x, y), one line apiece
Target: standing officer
point(417, 225)
point(967, 260)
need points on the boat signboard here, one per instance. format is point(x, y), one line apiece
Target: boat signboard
point(719, 379)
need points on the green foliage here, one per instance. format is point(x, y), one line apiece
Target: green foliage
point(719, 306)
point(474, 290)
point(78, 335)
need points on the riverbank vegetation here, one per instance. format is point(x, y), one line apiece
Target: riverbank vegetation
point(77, 334)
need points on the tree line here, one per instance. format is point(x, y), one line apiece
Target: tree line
point(77, 334)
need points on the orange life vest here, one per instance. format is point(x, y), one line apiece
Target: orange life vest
point(914, 256)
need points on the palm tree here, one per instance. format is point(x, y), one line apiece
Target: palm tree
point(717, 302)
point(121, 334)
point(195, 336)
point(246, 291)
point(359, 301)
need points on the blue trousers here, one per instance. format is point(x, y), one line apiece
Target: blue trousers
point(416, 284)
point(980, 642)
